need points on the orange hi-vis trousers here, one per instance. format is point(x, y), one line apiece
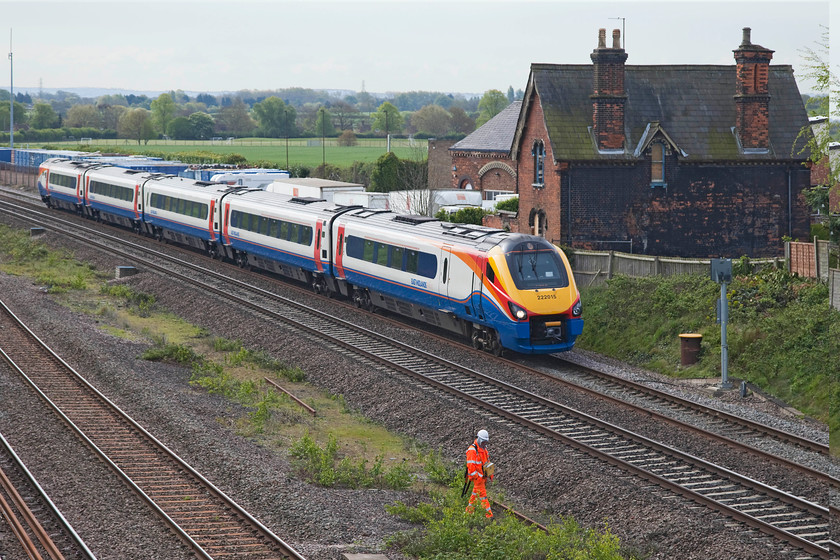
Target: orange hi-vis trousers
point(480, 492)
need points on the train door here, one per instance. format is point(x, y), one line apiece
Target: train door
point(476, 299)
point(445, 278)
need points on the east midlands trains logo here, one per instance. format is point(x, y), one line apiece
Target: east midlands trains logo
point(418, 283)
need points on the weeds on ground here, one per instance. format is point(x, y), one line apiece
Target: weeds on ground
point(325, 467)
point(449, 532)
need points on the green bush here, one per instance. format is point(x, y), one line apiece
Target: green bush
point(322, 466)
point(509, 205)
point(781, 334)
point(449, 533)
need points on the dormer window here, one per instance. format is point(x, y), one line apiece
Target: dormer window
point(538, 151)
point(657, 164)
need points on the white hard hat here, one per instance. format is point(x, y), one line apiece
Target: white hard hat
point(483, 435)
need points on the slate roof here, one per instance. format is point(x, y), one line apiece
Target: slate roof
point(693, 104)
point(496, 135)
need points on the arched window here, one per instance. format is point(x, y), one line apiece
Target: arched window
point(657, 164)
point(538, 151)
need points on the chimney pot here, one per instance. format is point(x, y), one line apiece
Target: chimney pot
point(602, 38)
point(616, 39)
point(745, 40)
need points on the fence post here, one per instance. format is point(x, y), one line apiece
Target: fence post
point(787, 256)
point(816, 260)
point(656, 265)
point(610, 265)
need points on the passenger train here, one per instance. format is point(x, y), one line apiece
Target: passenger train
point(501, 290)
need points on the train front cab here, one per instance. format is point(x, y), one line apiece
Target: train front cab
point(544, 303)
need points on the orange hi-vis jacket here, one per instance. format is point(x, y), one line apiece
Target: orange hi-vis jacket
point(476, 457)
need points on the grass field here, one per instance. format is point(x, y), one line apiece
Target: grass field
point(301, 151)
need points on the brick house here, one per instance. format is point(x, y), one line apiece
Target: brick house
point(483, 159)
point(683, 160)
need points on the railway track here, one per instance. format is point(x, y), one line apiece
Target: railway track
point(39, 526)
point(207, 520)
point(797, 521)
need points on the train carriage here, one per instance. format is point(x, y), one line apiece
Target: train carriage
point(184, 211)
point(61, 183)
point(113, 194)
point(282, 234)
point(499, 289)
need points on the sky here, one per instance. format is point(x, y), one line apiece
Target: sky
point(454, 46)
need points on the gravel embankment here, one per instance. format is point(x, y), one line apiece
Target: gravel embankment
point(321, 523)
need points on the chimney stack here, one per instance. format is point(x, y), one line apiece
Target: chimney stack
point(752, 97)
point(608, 97)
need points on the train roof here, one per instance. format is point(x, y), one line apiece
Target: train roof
point(481, 237)
point(183, 184)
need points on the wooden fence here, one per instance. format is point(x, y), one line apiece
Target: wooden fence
point(809, 260)
point(17, 175)
point(596, 267)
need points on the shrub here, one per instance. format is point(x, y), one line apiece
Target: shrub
point(347, 138)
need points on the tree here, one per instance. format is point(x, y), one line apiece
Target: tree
point(347, 138)
point(83, 116)
point(21, 118)
point(234, 119)
point(163, 111)
point(492, 103)
point(276, 119)
point(323, 123)
point(388, 119)
point(385, 174)
point(817, 145)
point(461, 121)
point(180, 129)
point(111, 115)
point(43, 116)
point(207, 99)
point(202, 125)
point(343, 113)
point(433, 120)
point(136, 124)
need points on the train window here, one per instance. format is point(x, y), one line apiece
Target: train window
point(182, 206)
point(340, 242)
point(305, 235)
point(294, 233)
point(411, 258)
point(397, 257)
point(445, 264)
point(382, 254)
point(63, 180)
point(490, 274)
point(355, 247)
point(275, 228)
point(368, 251)
point(534, 266)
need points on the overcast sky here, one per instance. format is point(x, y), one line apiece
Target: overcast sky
point(384, 46)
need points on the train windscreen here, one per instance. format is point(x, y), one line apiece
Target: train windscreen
point(536, 266)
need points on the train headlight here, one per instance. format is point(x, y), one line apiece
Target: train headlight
point(577, 309)
point(517, 311)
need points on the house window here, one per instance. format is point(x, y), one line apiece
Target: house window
point(538, 151)
point(657, 164)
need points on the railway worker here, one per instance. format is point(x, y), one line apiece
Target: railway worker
point(477, 460)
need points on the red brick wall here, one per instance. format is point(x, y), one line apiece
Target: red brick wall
point(751, 97)
point(440, 164)
point(545, 199)
point(467, 167)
